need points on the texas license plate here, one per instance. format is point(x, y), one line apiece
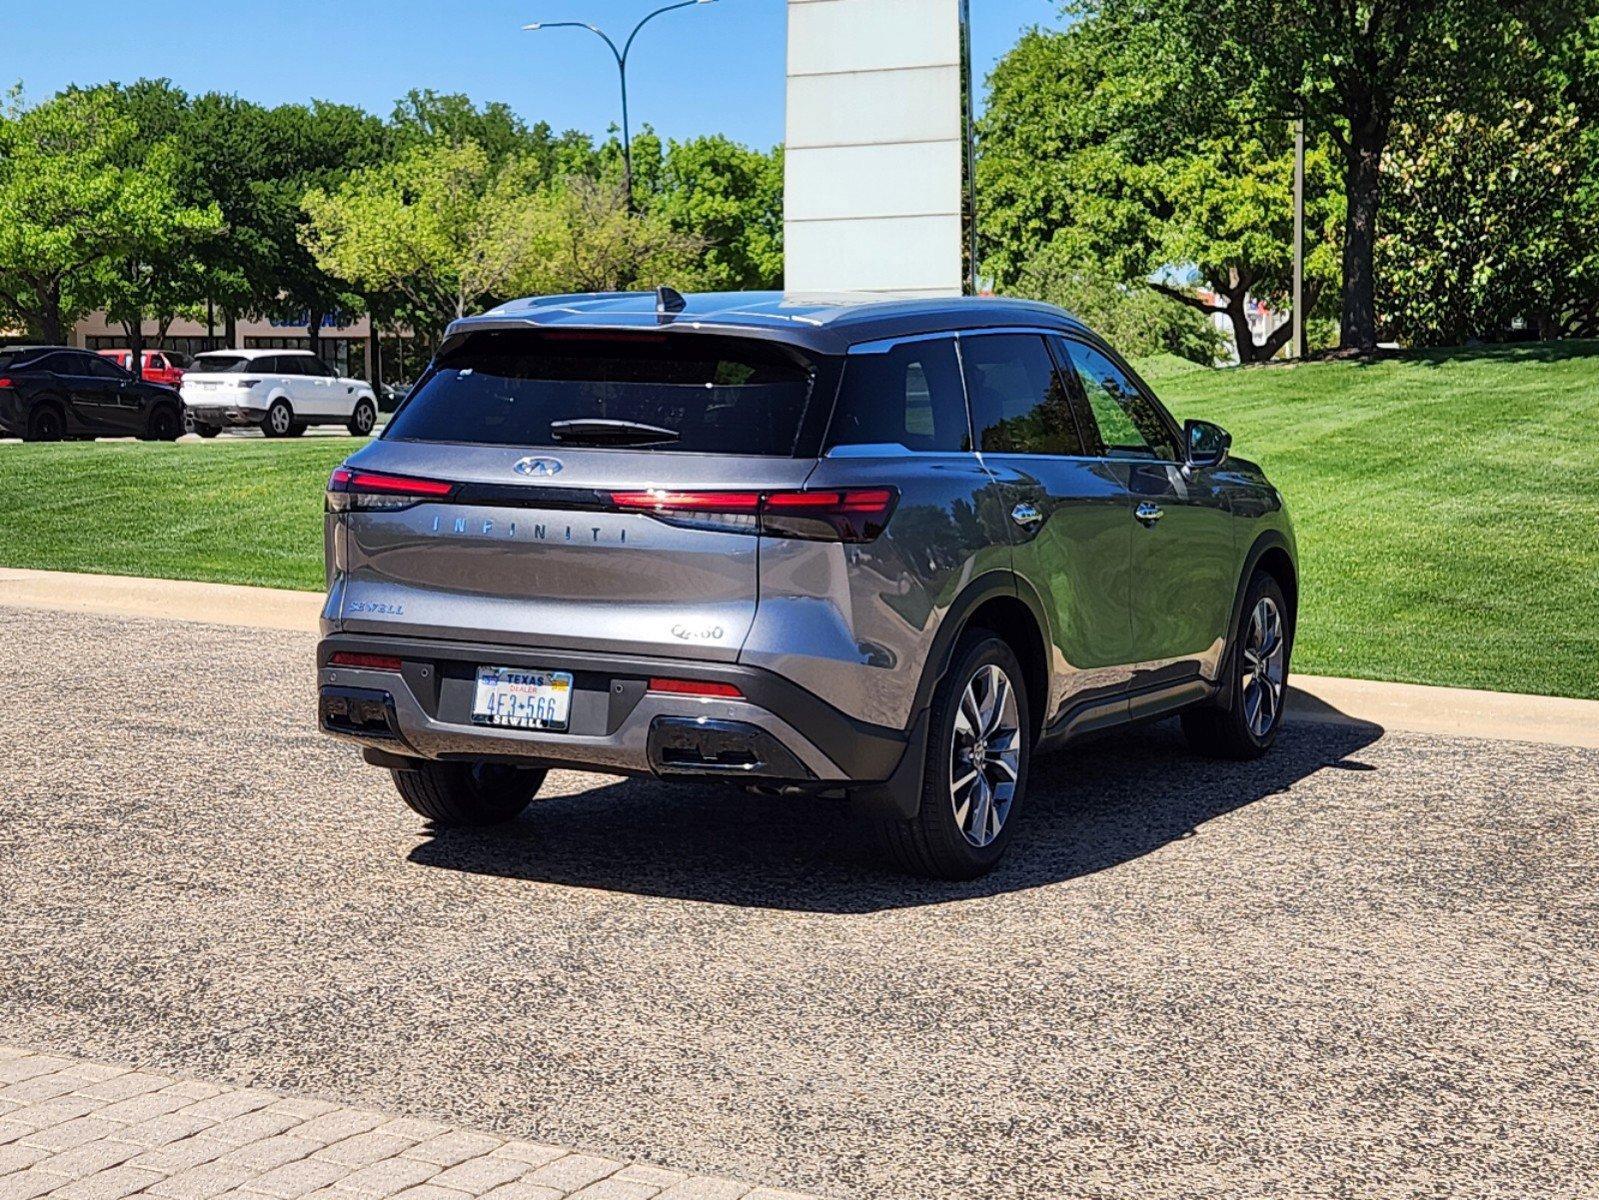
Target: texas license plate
point(517, 698)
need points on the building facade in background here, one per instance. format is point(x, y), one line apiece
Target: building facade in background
point(876, 194)
point(345, 344)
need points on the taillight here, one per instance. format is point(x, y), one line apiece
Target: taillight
point(696, 687)
point(352, 490)
point(366, 662)
point(850, 515)
point(5, 382)
point(842, 515)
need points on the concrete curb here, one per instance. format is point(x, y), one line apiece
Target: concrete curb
point(1408, 707)
point(163, 599)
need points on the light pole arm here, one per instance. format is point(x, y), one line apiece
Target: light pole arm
point(594, 29)
point(628, 45)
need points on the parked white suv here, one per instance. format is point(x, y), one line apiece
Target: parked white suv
point(282, 391)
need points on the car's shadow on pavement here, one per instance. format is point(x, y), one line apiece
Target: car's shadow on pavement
point(1092, 807)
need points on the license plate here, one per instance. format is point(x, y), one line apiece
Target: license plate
point(517, 698)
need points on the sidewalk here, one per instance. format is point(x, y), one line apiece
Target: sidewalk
point(83, 1131)
point(1407, 707)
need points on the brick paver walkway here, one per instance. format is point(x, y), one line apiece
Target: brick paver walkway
point(85, 1131)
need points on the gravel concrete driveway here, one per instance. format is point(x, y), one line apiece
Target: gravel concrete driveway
point(1366, 966)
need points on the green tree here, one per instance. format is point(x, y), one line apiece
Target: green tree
point(157, 272)
point(426, 117)
point(73, 202)
point(230, 145)
point(1133, 317)
point(1095, 146)
point(311, 147)
point(731, 197)
point(588, 241)
point(444, 227)
point(1491, 215)
point(1349, 68)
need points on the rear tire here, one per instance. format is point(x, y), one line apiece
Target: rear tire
point(363, 419)
point(298, 429)
point(47, 423)
point(958, 832)
point(458, 795)
point(163, 424)
point(279, 419)
point(207, 431)
point(1258, 663)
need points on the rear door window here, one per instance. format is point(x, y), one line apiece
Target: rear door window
point(1020, 404)
point(909, 396)
point(689, 392)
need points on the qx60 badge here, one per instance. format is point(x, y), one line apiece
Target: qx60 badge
point(537, 466)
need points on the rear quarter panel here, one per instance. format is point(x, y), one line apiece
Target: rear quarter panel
point(854, 624)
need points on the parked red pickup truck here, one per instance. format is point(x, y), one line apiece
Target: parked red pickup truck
point(160, 366)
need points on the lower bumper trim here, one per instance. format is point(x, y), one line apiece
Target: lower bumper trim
point(706, 746)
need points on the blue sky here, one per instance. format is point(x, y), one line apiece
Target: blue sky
point(713, 69)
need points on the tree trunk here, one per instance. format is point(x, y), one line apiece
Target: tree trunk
point(52, 329)
point(1243, 336)
point(135, 330)
point(313, 330)
point(1368, 135)
point(230, 329)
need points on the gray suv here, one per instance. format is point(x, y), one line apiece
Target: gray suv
point(888, 549)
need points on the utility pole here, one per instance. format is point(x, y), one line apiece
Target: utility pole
point(1299, 345)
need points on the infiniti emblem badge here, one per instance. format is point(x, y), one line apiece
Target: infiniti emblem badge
point(538, 466)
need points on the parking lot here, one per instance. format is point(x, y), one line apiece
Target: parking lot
point(1364, 966)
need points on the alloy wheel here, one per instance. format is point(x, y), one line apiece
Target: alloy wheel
point(985, 755)
point(281, 419)
point(1264, 667)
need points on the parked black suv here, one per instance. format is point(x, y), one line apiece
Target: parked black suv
point(48, 393)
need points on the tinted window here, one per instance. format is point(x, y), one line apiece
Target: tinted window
point(311, 365)
point(1019, 403)
point(281, 364)
point(911, 397)
point(713, 395)
point(157, 362)
point(100, 368)
point(1129, 425)
point(219, 364)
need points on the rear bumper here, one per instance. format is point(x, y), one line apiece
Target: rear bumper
point(777, 732)
point(225, 414)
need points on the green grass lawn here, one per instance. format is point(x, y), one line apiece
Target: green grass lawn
point(232, 510)
point(1447, 506)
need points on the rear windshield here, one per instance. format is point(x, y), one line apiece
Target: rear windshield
point(219, 364)
point(689, 392)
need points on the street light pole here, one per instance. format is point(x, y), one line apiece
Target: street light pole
point(621, 71)
point(1299, 239)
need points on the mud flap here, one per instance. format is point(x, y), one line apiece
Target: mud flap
point(899, 797)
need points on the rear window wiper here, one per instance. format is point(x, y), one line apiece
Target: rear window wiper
point(597, 431)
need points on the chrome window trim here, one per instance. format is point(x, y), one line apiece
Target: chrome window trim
point(886, 345)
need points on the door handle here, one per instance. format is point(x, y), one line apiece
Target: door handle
point(1149, 513)
point(1026, 515)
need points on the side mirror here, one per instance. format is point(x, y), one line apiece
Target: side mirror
point(1207, 444)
